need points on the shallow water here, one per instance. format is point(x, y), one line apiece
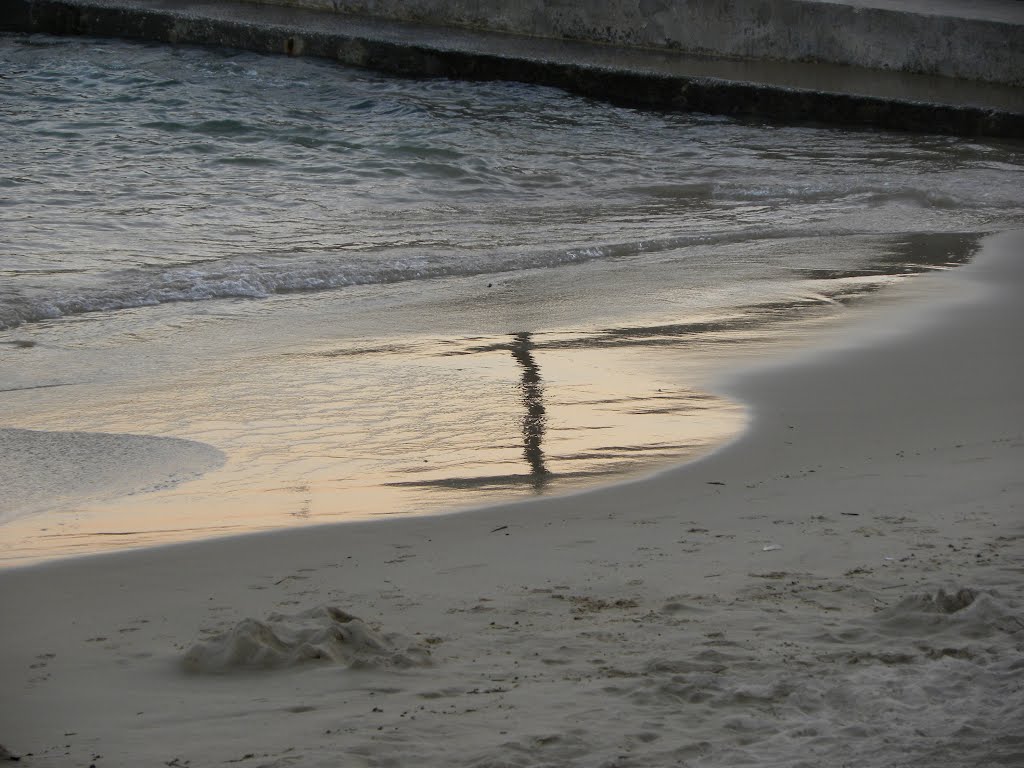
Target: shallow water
point(381, 296)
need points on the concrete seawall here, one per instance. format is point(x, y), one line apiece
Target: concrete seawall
point(980, 40)
point(648, 77)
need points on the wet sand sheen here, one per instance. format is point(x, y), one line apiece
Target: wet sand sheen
point(354, 426)
point(449, 431)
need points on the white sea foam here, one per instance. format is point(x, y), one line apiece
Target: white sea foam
point(247, 279)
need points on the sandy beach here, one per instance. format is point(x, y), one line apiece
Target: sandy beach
point(842, 585)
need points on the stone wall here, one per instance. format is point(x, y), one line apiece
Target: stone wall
point(982, 43)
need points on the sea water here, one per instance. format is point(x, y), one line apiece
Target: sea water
point(337, 294)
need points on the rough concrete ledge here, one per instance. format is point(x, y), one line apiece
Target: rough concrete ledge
point(978, 40)
point(787, 93)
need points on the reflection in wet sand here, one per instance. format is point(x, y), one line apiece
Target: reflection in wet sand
point(912, 254)
point(317, 436)
point(334, 429)
point(596, 432)
point(533, 400)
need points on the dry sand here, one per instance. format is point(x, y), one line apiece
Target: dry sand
point(844, 585)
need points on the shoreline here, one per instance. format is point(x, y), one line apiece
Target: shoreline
point(778, 600)
point(624, 394)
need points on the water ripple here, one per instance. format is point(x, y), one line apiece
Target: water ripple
point(122, 158)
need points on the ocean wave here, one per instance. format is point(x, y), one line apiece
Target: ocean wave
point(128, 289)
point(836, 191)
point(306, 272)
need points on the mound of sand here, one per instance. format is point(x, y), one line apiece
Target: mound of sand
point(323, 634)
point(964, 613)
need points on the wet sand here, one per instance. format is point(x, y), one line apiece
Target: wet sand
point(410, 399)
point(842, 584)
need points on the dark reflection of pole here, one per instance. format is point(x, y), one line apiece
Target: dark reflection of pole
point(533, 399)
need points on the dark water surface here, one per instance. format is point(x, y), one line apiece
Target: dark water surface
point(138, 174)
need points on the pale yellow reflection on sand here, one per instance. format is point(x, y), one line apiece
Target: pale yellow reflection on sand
point(333, 429)
point(345, 434)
